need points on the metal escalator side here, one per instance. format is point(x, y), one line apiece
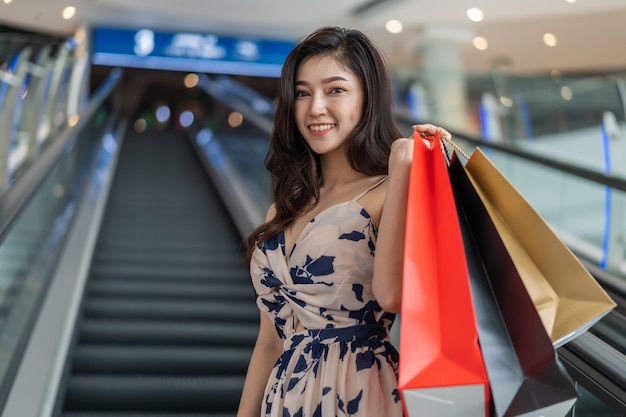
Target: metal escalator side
point(37, 215)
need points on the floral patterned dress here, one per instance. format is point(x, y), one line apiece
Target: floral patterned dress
point(342, 363)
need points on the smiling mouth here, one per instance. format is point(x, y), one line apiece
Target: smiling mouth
point(322, 127)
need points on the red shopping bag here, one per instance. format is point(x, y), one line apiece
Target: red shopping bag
point(442, 371)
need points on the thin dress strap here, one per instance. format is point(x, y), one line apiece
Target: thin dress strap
point(370, 188)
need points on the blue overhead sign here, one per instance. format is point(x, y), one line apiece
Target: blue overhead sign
point(188, 51)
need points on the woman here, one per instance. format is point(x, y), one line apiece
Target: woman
point(340, 173)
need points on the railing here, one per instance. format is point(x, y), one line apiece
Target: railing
point(36, 212)
point(39, 96)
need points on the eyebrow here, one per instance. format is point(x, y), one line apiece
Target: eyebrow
point(325, 80)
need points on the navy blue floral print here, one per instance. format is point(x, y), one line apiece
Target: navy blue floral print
point(337, 359)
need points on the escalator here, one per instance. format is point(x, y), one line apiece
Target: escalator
point(168, 318)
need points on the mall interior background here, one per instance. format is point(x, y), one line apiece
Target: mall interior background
point(132, 138)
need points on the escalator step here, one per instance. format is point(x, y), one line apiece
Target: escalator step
point(167, 333)
point(167, 246)
point(221, 272)
point(144, 414)
point(168, 319)
point(181, 258)
point(139, 393)
point(147, 220)
point(217, 311)
point(161, 235)
point(147, 288)
point(175, 360)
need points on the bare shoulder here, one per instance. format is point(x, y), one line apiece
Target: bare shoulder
point(271, 212)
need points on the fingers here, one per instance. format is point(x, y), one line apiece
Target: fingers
point(428, 129)
point(445, 135)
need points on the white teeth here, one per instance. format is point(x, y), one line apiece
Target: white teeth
point(323, 127)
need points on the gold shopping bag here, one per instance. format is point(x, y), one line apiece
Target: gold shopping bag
point(568, 298)
point(525, 374)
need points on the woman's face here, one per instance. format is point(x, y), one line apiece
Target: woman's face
point(328, 103)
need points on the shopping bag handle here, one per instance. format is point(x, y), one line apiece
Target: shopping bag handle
point(445, 139)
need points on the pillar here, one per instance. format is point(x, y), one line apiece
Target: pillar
point(439, 53)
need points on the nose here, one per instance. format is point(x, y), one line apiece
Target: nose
point(318, 105)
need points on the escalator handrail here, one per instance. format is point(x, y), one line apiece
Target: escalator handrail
point(598, 367)
point(221, 92)
point(609, 281)
point(20, 193)
point(612, 181)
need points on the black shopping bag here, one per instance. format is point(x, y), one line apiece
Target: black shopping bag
point(525, 374)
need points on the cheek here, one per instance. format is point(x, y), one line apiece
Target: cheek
point(299, 113)
point(354, 111)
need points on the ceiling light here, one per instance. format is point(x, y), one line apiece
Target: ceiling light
point(235, 119)
point(191, 80)
point(186, 118)
point(480, 43)
point(394, 26)
point(571, 1)
point(7, 1)
point(69, 12)
point(567, 93)
point(549, 39)
point(475, 14)
point(506, 101)
point(73, 120)
point(140, 125)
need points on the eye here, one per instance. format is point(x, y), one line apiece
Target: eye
point(301, 93)
point(337, 90)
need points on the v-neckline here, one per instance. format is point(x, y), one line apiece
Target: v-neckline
point(289, 251)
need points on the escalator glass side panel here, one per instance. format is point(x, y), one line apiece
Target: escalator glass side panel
point(27, 253)
point(541, 106)
point(530, 107)
point(588, 405)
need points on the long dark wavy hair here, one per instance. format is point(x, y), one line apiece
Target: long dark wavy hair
point(294, 168)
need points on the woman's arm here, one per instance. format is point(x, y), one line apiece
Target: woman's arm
point(266, 351)
point(389, 257)
point(387, 280)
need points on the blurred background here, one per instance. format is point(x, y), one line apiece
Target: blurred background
point(132, 142)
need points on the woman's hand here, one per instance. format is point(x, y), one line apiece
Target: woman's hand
point(426, 130)
point(401, 153)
